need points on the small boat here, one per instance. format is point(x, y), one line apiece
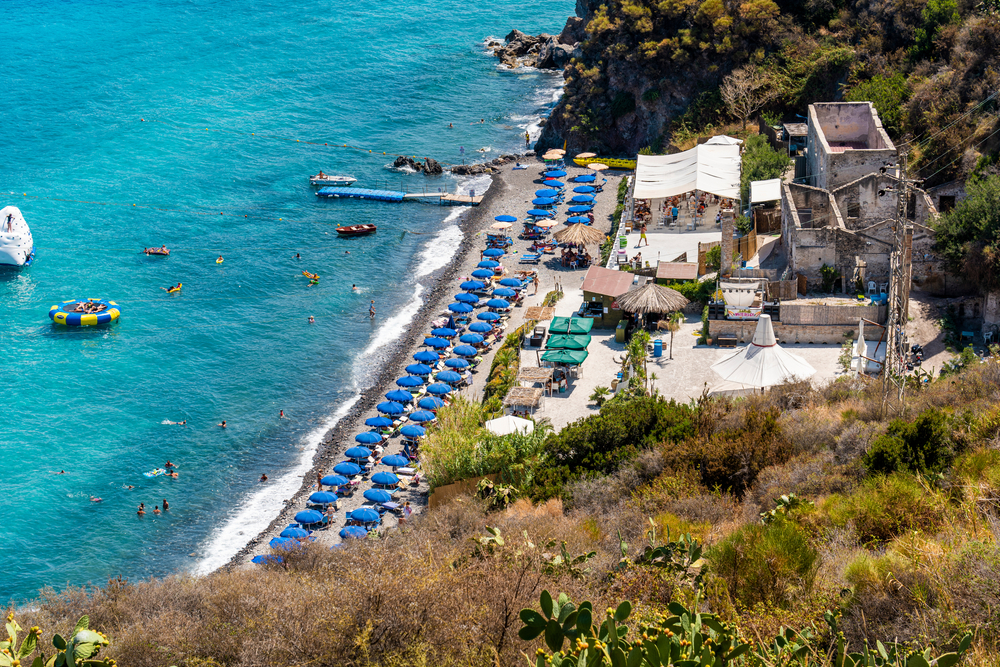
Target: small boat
point(16, 245)
point(357, 230)
point(157, 251)
point(327, 179)
point(613, 163)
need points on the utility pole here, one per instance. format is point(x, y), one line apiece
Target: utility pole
point(900, 268)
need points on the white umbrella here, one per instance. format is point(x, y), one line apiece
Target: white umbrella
point(508, 424)
point(763, 363)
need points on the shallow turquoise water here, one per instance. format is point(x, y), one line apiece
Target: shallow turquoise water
point(235, 344)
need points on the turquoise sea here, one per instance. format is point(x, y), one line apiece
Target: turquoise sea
point(79, 78)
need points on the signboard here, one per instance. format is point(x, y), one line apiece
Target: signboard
point(736, 313)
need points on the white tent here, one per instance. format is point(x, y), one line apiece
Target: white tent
point(762, 191)
point(741, 295)
point(708, 167)
point(508, 424)
point(724, 140)
point(763, 363)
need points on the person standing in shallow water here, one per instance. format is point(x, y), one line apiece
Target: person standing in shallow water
point(371, 310)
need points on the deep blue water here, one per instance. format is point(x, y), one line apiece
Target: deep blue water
point(79, 78)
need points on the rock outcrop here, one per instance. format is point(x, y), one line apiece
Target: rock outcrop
point(485, 168)
point(542, 51)
point(429, 166)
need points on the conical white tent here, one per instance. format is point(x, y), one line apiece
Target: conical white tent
point(508, 424)
point(763, 363)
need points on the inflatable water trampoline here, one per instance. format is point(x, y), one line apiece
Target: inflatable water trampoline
point(84, 312)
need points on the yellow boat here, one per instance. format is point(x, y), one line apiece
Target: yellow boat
point(612, 162)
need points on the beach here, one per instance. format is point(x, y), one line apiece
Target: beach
point(510, 193)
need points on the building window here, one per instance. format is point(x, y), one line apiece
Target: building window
point(853, 210)
point(805, 216)
point(946, 203)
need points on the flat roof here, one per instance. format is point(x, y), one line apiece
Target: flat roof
point(796, 129)
point(677, 271)
point(607, 282)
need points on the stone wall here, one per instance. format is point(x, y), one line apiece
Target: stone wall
point(820, 315)
point(790, 334)
point(835, 124)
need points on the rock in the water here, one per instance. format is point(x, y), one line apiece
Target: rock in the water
point(432, 166)
point(404, 161)
point(521, 50)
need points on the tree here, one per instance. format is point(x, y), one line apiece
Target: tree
point(746, 91)
point(968, 236)
point(760, 162)
point(674, 321)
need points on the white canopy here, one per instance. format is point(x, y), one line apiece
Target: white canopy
point(708, 167)
point(740, 295)
point(761, 191)
point(508, 424)
point(763, 363)
point(724, 140)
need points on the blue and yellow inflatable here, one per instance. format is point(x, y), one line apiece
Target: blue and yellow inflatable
point(63, 313)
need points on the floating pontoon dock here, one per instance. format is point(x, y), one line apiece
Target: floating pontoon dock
point(397, 196)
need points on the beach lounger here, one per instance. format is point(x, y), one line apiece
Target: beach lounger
point(531, 258)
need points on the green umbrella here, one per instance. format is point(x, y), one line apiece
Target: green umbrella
point(565, 356)
point(568, 342)
point(571, 325)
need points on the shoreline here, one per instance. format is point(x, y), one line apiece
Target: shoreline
point(392, 366)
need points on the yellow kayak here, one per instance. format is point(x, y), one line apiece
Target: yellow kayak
point(614, 163)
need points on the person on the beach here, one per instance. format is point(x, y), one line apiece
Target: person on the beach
point(263, 478)
point(223, 424)
point(156, 509)
point(527, 139)
point(642, 235)
point(371, 310)
point(166, 505)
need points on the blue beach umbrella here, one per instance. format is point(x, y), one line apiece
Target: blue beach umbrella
point(495, 303)
point(308, 517)
point(539, 213)
point(511, 282)
point(426, 356)
point(422, 416)
point(438, 389)
point(380, 422)
point(444, 332)
point(449, 376)
point(334, 480)
point(408, 381)
point(364, 515)
point(400, 396)
point(413, 431)
point(459, 307)
point(476, 327)
point(436, 343)
point(586, 178)
point(582, 199)
point(547, 193)
point(286, 543)
point(504, 292)
point(319, 498)
point(368, 438)
point(487, 317)
point(543, 201)
point(379, 495)
point(465, 297)
point(472, 338)
point(582, 208)
point(347, 469)
point(577, 219)
point(416, 369)
point(483, 273)
point(385, 479)
point(357, 453)
point(457, 363)
point(554, 184)
point(295, 532)
point(430, 403)
point(394, 461)
point(583, 189)
point(353, 532)
point(465, 351)
point(472, 285)
point(505, 218)
point(390, 408)
point(488, 264)
point(266, 559)
point(554, 173)
point(494, 252)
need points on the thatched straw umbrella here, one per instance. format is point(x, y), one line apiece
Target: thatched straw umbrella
point(653, 298)
point(580, 234)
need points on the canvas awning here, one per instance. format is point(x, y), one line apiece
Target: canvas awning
point(568, 342)
point(763, 363)
point(565, 356)
point(572, 325)
point(709, 168)
point(762, 191)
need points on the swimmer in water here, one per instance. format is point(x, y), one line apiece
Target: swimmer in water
point(129, 487)
point(168, 465)
point(219, 261)
point(156, 510)
point(371, 310)
point(95, 499)
point(354, 288)
point(172, 474)
point(183, 423)
point(166, 505)
point(223, 424)
point(281, 414)
point(61, 472)
point(263, 478)
point(298, 256)
point(312, 320)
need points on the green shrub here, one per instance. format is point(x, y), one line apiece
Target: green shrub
point(713, 258)
point(885, 507)
point(695, 291)
point(765, 564)
point(651, 95)
point(760, 162)
point(923, 445)
point(887, 94)
point(968, 236)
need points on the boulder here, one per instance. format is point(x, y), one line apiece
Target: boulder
point(432, 166)
point(470, 169)
point(404, 161)
point(553, 54)
point(574, 31)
